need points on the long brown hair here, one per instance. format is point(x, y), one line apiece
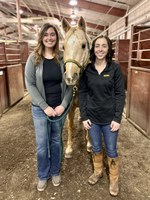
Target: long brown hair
point(40, 48)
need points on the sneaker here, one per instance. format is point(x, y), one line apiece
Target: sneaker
point(41, 185)
point(56, 180)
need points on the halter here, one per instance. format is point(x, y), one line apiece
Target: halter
point(77, 63)
point(73, 61)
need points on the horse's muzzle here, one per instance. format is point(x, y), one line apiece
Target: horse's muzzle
point(71, 79)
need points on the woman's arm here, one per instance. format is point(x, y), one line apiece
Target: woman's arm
point(30, 80)
point(83, 92)
point(119, 94)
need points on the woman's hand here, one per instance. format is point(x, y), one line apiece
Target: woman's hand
point(114, 126)
point(49, 111)
point(87, 124)
point(59, 110)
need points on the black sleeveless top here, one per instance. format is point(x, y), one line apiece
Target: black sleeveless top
point(52, 78)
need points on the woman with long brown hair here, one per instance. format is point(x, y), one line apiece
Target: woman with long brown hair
point(50, 97)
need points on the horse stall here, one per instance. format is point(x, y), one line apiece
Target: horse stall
point(121, 55)
point(138, 96)
point(14, 72)
point(11, 74)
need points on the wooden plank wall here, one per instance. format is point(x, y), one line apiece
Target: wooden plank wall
point(121, 48)
point(3, 90)
point(15, 83)
point(3, 79)
point(138, 95)
point(24, 51)
point(12, 61)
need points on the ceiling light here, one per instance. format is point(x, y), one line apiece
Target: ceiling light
point(73, 23)
point(20, 11)
point(73, 2)
point(36, 26)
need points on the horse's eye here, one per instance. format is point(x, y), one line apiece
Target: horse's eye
point(83, 46)
point(63, 47)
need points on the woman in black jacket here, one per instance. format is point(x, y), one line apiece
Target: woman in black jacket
point(101, 99)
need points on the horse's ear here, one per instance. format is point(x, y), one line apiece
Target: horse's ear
point(82, 23)
point(65, 25)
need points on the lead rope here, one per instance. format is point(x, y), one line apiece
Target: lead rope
point(60, 119)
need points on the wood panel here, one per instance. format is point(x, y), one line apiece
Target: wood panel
point(12, 51)
point(140, 98)
point(23, 74)
point(12, 77)
point(3, 90)
point(2, 54)
point(124, 69)
point(15, 83)
point(138, 95)
point(24, 51)
point(121, 48)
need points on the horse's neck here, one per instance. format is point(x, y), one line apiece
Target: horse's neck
point(76, 100)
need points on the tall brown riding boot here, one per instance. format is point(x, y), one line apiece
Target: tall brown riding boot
point(113, 164)
point(98, 168)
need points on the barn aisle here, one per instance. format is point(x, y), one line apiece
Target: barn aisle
point(18, 162)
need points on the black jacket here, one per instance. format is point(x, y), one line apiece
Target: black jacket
point(102, 96)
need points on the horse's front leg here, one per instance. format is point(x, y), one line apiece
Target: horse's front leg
point(68, 152)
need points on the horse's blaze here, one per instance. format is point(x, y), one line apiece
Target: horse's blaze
point(71, 76)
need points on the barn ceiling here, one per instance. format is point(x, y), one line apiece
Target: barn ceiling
point(98, 14)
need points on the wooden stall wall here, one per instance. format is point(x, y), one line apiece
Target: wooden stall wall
point(2, 54)
point(3, 77)
point(3, 90)
point(24, 51)
point(13, 57)
point(138, 96)
point(15, 83)
point(121, 48)
point(12, 51)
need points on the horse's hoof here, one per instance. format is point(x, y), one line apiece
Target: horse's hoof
point(68, 155)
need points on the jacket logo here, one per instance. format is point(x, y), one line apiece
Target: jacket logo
point(106, 75)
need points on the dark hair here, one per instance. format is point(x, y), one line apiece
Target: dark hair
point(40, 48)
point(110, 50)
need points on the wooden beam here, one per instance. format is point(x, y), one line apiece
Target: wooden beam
point(4, 27)
point(95, 26)
point(19, 20)
point(91, 6)
point(37, 12)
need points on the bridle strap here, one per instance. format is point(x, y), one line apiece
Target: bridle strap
point(73, 61)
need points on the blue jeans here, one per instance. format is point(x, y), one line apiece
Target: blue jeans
point(48, 144)
point(110, 139)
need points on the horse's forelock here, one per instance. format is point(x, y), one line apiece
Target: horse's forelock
point(72, 30)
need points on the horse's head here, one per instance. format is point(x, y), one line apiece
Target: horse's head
point(76, 50)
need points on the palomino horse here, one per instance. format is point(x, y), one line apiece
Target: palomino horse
point(76, 57)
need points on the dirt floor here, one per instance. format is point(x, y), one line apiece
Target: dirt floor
point(18, 163)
